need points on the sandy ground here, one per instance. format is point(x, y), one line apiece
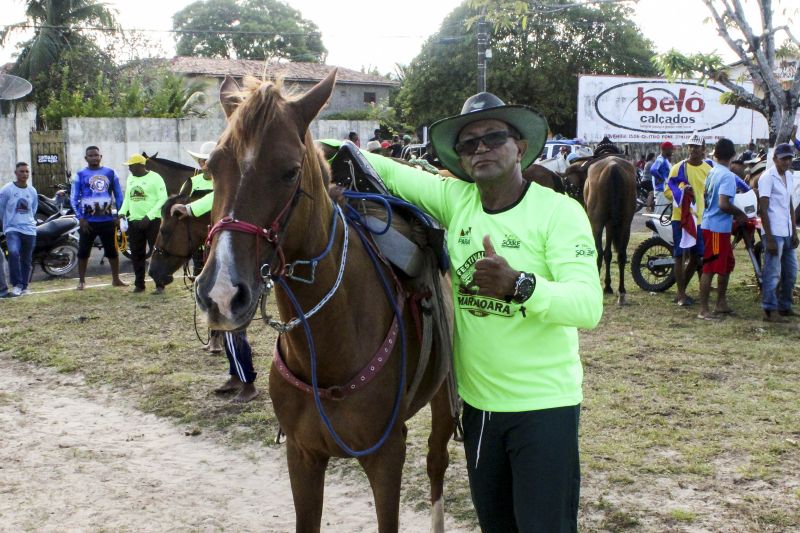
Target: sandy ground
point(75, 458)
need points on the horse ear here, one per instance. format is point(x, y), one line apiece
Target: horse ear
point(311, 103)
point(229, 96)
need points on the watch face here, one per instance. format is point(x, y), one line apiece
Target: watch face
point(524, 289)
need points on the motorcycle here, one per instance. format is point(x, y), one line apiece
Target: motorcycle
point(59, 204)
point(644, 186)
point(56, 249)
point(653, 264)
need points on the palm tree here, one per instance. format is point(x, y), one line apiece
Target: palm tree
point(58, 27)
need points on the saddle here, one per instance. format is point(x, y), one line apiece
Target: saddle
point(415, 247)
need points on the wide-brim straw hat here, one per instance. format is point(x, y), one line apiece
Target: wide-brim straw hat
point(531, 125)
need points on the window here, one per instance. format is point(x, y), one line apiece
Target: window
point(369, 98)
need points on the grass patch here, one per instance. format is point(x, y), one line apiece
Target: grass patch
point(678, 413)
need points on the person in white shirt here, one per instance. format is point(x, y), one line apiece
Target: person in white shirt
point(779, 234)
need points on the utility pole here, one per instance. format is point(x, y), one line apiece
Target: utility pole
point(483, 41)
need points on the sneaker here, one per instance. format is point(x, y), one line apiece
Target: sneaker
point(25, 291)
point(16, 291)
point(137, 289)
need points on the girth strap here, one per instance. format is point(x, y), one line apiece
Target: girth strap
point(367, 374)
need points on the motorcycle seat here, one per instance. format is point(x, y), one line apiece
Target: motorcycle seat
point(56, 227)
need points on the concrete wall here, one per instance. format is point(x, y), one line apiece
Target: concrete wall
point(15, 142)
point(118, 138)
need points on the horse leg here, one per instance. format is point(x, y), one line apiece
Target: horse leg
point(607, 258)
point(307, 476)
point(384, 470)
point(622, 260)
point(442, 427)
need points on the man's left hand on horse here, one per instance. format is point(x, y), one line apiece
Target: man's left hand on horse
point(493, 275)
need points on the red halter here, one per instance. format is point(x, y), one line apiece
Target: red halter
point(271, 233)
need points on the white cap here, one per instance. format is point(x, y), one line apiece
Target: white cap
point(695, 139)
point(205, 150)
point(373, 146)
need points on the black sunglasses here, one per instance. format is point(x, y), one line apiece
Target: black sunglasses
point(491, 140)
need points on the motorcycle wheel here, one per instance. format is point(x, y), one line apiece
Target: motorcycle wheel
point(61, 260)
point(648, 277)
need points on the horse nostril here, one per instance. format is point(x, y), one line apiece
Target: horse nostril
point(241, 299)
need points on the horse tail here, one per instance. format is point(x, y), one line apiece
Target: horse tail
point(616, 179)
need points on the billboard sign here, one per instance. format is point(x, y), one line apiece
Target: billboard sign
point(654, 110)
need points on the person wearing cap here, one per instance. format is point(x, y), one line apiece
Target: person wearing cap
point(524, 279)
point(779, 234)
point(660, 172)
point(91, 200)
point(145, 193)
point(242, 374)
point(685, 187)
point(716, 224)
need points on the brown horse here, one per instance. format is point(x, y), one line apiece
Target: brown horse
point(271, 192)
point(544, 177)
point(175, 174)
point(607, 189)
point(177, 240)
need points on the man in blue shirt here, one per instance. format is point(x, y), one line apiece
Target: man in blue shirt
point(717, 223)
point(91, 200)
point(660, 173)
point(18, 204)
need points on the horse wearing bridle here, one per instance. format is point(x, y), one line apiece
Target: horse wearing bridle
point(607, 189)
point(347, 344)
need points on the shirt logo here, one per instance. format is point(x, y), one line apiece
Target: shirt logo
point(471, 302)
point(98, 183)
point(138, 194)
point(510, 241)
point(465, 237)
point(584, 250)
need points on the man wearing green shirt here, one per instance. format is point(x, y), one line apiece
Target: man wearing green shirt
point(145, 193)
point(524, 278)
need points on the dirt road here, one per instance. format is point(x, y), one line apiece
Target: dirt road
point(75, 458)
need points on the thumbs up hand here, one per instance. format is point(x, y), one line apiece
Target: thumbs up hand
point(493, 275)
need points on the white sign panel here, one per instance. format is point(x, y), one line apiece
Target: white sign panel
point(654, 110)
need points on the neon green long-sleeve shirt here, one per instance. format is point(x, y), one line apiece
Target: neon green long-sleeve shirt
point(144, 196)
point(507, 361)
point(201, 206)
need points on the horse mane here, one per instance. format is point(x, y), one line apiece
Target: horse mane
point(172, 200)
point(168, 162)
point(260, 101)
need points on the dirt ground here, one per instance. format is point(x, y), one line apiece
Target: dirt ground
point(75, 458)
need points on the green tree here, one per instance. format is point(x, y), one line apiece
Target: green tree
point(61, 38)
point(756, 48)
point(535, 60)
point(247, 29)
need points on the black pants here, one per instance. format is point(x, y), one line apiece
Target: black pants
point(141, 235)
point(524, 470)
point(107, 233)
point(240, 356)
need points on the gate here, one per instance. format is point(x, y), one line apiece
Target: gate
point(49, 162)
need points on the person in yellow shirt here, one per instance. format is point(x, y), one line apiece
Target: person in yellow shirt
point(687, 175)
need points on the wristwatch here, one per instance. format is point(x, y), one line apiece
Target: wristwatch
point(523, 288)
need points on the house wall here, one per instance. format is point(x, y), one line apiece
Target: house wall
point(118, 138)
point(345, 96)
point(15, 139)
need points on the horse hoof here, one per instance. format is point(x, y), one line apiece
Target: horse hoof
point(608, 290)
point(622, 299)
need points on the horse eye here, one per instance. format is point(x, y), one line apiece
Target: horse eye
point(291, 175)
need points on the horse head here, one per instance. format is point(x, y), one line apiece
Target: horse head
point(267, 178)
point(574, 178)
point(177, 240)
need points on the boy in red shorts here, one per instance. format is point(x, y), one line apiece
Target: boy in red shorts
point(717, 222)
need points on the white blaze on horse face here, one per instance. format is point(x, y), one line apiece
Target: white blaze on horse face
point(224, 291)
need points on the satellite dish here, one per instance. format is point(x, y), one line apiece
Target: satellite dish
point(13, 87)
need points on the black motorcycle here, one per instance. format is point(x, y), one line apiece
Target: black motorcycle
point(56, 247)
point(644, 186)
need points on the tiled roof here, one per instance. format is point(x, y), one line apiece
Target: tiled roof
point(290, 71)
